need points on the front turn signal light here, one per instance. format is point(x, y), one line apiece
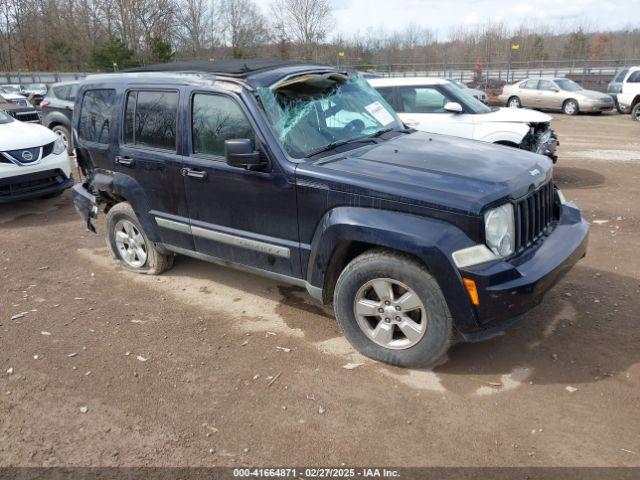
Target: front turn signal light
point(472, 290)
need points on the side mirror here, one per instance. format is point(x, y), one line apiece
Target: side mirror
point(453, 107)
point(240, 153)
point(554, 89)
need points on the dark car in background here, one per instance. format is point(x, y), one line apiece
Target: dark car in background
point(57, 109)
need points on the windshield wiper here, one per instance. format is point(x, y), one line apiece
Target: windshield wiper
point(337, 144)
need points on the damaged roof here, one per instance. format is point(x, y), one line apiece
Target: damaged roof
point(256, 72)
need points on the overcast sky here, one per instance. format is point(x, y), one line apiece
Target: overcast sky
point(441, 15)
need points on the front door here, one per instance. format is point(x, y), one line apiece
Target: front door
point(149, 154)
point(423, 108)
point(248, 217)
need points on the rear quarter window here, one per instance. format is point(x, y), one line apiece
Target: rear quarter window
point(95, 116)
point(634, 77)
point(61, 92)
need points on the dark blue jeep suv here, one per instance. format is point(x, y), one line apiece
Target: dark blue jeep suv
point(305, 174)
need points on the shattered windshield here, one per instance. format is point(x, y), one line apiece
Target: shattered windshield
point(315, 113)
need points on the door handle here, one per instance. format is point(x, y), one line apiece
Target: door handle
point(188, 172)
point(126, 161)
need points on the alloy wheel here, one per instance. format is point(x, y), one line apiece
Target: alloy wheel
point(131, 244)
point(390, 313)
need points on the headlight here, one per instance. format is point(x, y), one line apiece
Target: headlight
point(499, 230)
point(59, 146)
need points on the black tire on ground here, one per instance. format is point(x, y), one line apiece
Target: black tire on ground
point(63, 132)
point(377, 264)
point(635, 112)
point(156, 262)
point(570, 107)
point(620, 109)
point(514, 102)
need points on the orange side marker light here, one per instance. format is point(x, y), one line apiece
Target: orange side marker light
point(472, 290)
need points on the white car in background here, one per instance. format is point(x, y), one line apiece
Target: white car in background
point(33, 161)
point(629, 96)
point(14, 97)
point(436, 105)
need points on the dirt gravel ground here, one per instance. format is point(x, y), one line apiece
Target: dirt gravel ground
point(207, 366)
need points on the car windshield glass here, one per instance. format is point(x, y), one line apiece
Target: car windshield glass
point(470, 103)
point(317, 112)
point(36, 86)
point(10, 89)
point(568, 85)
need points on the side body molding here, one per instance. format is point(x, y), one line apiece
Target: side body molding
point(432, 241)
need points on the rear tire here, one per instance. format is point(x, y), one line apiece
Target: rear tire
point(391, 309)
point(514, 102)
point(635, 112)
point(130, 245)
point(570, 107)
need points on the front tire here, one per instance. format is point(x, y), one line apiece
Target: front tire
point(130, 245)
point(514, 102)
point(635, 112)
point(570, 107)
point(391, 309)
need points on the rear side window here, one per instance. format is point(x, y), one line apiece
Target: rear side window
point(150, 119)
point(61, 92)
point(530, 84)
point(634, 77)
point(216, 119)
point(95, 116)
point(620, 76)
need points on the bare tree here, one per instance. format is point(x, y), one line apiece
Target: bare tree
point(244, 25)
point(308, 22)
point(195, 19)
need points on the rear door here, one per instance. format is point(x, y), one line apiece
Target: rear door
point(422, 107)
point(149, 154)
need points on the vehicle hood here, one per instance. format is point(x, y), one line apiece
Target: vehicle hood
point(434, 171)
point(588, 94)
point(17, 135)
point(513, 115)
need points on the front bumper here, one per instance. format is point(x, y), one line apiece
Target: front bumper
point(33, 185)
point(508, 289)
point(597, 106)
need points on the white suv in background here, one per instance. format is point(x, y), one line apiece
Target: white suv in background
point(33, 161)
point(437, 106)
point(629, 96)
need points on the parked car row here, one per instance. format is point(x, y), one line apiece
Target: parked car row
point(562, 94)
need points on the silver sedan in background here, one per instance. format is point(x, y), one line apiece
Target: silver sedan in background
point(555, 94)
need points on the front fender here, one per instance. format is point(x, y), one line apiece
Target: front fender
point(504, 132)
point(430, 240)
point(123, 186)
